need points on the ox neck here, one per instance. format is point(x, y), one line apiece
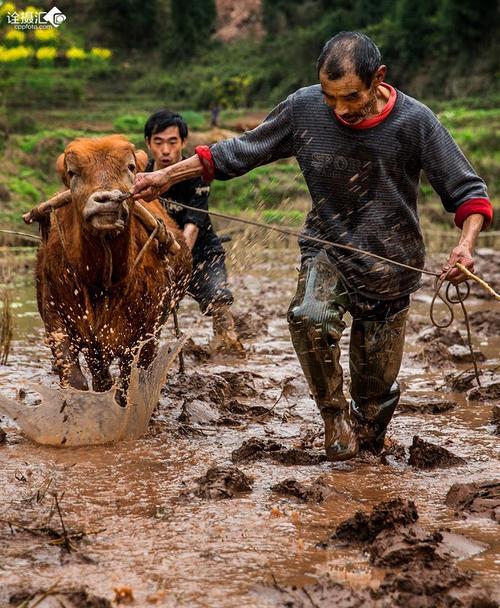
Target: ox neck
point(110, 258)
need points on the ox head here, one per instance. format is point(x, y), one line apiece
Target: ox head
point(98, 172)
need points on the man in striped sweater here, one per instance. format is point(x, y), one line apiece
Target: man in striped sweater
point(361, 146)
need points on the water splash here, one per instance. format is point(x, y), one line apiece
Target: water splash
point(69, 417)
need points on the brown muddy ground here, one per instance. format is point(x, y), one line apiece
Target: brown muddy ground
point(228, 500)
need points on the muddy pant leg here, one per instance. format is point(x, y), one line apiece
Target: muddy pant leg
point(316, 325)
point(376, 350)
point(210, 289)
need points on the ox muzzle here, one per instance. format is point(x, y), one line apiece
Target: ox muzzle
point(106, 210)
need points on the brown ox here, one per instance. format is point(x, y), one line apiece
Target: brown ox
point(96, 294)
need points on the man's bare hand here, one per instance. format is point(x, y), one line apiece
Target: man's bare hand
point(461, 253)
point(148, 186)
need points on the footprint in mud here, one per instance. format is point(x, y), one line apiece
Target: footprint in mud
point(317, 491)
point(419, 566)
point(221, 482)
point(254, 449)
point(424, 455)
point(477, 499)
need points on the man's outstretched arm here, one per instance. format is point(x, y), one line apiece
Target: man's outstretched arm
point(148, 186)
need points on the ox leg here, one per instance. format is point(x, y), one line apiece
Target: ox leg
point(66, 363)
point(99, 368)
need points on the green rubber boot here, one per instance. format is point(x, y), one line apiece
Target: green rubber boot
point(376, 351)
point(316, 325)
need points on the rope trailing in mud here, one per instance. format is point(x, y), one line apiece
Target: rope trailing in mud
point(440, 277)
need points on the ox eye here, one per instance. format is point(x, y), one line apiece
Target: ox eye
point(71, 174)
point(131, 167)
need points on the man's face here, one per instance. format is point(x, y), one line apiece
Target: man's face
point(349, 97)
point(166, 147)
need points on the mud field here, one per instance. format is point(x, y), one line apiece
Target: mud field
point(228, 501)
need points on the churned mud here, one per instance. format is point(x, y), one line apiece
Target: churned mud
point(418, 566)
point(227, 500)
point(481, 499)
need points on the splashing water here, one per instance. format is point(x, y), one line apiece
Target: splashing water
point(69, 417)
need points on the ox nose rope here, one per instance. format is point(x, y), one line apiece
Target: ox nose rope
point(440, 277)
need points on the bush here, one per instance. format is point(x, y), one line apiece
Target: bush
point(26, 192)
point(130, 123)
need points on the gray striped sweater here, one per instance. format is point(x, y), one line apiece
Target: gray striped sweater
point(363, 182)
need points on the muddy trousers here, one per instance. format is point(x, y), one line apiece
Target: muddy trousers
point(315, 319)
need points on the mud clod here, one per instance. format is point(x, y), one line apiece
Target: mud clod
point(73, 598)
point(420, 568)
point(240, 383)
point(432, 406)
point(481, 499)
point(294, 456)
point(223, 482)
point(485, 322)
point(424, 455)
point(461, 381)
point(486, 392)
point(495, 418)
point(317, 491)
point(259, 449)
point(448, 337)
point(255, 449)
point(363, 528)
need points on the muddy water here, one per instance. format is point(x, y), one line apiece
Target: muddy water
point(147, 528)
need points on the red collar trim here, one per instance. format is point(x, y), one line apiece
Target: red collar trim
point(367, 123)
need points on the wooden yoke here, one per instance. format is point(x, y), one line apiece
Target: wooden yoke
point(152, 224)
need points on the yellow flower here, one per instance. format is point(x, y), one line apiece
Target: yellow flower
point(17, 53)
point(46, 53)
point(15, 36)
point(75, 53)
point(100, 53)
point(8, 7)
point(47, 35)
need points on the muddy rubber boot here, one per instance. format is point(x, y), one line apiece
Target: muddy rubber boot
point(372, 420)
point(316, 325)
point(225, 340)
point(375, 355)
point(341, 441)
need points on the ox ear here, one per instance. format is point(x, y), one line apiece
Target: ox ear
point(61, 169)
point(142, 159)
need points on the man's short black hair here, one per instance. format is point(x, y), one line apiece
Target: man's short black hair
point(348, 51)
point(161, 120)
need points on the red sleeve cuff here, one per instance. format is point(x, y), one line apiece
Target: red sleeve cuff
point(205, 156)
point(474, 205)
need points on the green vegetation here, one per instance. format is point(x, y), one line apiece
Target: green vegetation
point(163, 54)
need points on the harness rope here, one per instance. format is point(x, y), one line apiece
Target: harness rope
point(440, 277)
